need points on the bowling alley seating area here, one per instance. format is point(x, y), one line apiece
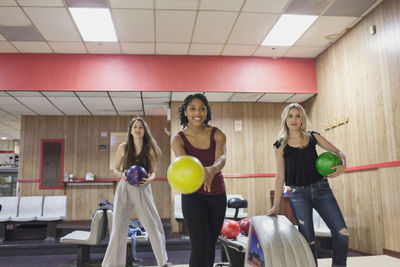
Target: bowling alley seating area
point(31, 210)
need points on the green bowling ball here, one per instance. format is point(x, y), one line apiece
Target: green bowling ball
point(326, 161)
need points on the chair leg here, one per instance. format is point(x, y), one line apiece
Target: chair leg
point(83, 255)
point(51, 231)
point(3, 226)
point(129, 256)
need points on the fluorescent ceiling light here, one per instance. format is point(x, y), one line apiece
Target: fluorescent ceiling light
point(288, 29)
point(94, 24)
point(3, 138)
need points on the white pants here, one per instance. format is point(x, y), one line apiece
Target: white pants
point(126, 198)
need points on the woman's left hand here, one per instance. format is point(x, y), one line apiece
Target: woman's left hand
point(339, 169)
point(146, 181)
point(209, 173)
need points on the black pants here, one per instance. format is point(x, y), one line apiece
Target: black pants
point(204, 216)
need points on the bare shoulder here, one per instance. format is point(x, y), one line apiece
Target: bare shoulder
point(220, 135)
point(122, 145)
point(278, 150)
point(176, 139)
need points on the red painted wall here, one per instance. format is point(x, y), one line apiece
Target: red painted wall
point(59, 72)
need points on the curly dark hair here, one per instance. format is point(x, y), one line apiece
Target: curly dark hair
point(186, 103)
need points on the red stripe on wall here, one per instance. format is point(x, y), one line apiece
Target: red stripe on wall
point(246, 175)
point(56, 72)
point(6, 151)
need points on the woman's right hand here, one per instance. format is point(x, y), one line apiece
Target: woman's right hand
point(273, 212)
point(123, 176)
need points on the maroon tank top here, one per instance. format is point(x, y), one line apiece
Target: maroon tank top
point(207, 158)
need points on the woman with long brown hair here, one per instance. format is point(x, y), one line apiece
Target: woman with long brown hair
point(140, 148)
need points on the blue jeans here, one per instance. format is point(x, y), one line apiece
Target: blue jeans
point(320, 197)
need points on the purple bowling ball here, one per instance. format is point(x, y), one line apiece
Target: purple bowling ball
point(135, 174)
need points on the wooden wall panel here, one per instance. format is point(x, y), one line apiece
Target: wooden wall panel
point(82, 135)
point(358, 77)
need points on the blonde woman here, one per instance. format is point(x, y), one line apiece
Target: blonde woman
point(295, 154)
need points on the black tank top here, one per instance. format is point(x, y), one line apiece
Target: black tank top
point(300, 163)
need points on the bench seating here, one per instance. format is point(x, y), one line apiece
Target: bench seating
point(33, 210)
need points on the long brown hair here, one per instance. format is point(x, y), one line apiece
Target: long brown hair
point(149, 143)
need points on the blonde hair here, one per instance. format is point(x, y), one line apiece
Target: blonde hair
point(305, 123)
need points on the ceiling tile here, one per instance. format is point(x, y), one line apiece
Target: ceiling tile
point(41, 3)
point(8, 121)
point(180, 96)
point(58, 93)
point(98, 105)
point(11, 134)
point(137, 48)
point(213, 27)
point(167, 23)
point(125, 94)
point(156, 94)
point(105, 112)
point(6, 47)
point(206, 49)
point(5, 116)
point(246, 97)
point(239, 50)
point(354, 8)
point(218, 97)
point(70, 105)
point(32, 47)
point(299, 98)
point(54, 24)
point(275, 98)
point(322, 27)
point(91, 94)
point(131, 4)
point(8, 3)
point(21, 33)
point(13, 16)
point(307, 7)
point(159, 100)
point(12, 106)
point(2, 38)
point(87, 3)
point(25, 93)
point(103, 48)
point(305, 51)
point(223, 5)
point(39, 104)
point(134, 25)
point(271, 51)
point(172, 49)
point(265, 6)
point(251, 28)
point(127, 104)
point(68, 47)
point(130, 113)
point(177, 4)
point(155, 110)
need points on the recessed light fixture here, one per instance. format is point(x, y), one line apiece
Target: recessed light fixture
point(94, 24)
point(288, 29)
point(3, 138)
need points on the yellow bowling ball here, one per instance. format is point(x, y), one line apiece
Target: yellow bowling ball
point(186, 174)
